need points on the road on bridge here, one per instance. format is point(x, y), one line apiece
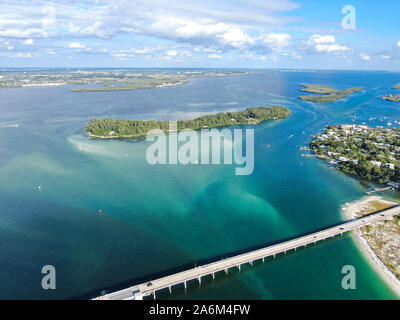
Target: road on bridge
point(150, 288)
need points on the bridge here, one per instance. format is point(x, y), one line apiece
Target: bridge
point(137, 292)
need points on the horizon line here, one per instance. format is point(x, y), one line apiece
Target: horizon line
point(203, 68)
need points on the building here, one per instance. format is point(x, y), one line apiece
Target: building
point(389, 165)
point(376, 163)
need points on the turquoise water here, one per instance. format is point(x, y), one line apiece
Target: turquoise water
point(156, 219)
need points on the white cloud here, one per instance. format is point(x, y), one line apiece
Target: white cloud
point(365, 56)
point(322, 39)
point(214, 56)
point(330, 47)
point(235, 37)
point(22, 55)
point(49, 18)
point(172, 53)
point(295, 55)
point(29, 42)
point(205, 32)
point(323, 44)
point(208, 23)
point(276, 40)
point(123, 56)
point(251, 56)
point(188, 29)
point(392, 53)
point(23, 33)
point(75, 45)
point(142, 51)
point(162, 52)
point(176, 29)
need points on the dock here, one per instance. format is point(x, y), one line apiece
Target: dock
point(378, 190)
point(137, 292)
point(306, 155)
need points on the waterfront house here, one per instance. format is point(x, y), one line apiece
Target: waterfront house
point(376, 163)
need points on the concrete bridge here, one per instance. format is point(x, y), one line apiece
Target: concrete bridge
point(137, 292)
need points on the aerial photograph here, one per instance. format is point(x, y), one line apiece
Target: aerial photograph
point(199, 151)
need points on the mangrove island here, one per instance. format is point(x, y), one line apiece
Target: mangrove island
point(329, 93)
point(123, 128)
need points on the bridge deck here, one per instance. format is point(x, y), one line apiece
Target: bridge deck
point(140, 290)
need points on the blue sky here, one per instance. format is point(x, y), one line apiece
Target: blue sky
point(194, 33)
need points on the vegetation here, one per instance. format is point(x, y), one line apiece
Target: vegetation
point(383, 236)
point(370, 153)
point(134, 84)
point(107, 79)
point(121, 128)
point(330, 94)
point(393, 97)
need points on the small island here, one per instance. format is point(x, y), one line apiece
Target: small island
point(392, 97)
point(329, 93)
point(369, 153)
point(135, 84)
point(122, 128)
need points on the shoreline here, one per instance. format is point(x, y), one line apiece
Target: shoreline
point(348, 213)
point(112, 137)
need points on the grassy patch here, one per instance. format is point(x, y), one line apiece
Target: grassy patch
point(329, 93)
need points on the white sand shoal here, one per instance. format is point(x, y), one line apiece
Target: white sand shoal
point(350, 212)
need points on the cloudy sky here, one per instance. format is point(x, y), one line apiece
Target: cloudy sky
point(195, 33)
